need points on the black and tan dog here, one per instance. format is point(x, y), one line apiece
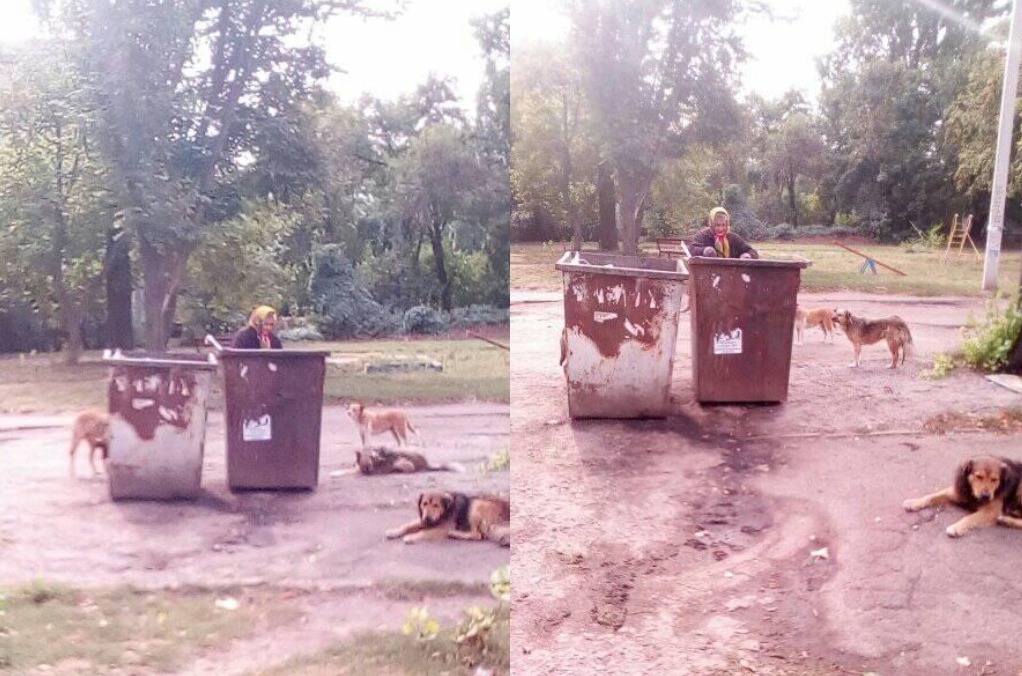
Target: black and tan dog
point(459, 516)
point(381, 460)
point(862, 331)
point(92, 427)
point(987, 486)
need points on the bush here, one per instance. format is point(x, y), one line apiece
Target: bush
point(988, 344)
point(345, 307)
point(423, 319)
point(782, 231)
point(478, 315)
point(300, 333)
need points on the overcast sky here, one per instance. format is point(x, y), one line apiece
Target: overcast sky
point(782, 52)
point(386, 58)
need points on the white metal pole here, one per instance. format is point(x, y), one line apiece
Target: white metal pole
point(999, 186)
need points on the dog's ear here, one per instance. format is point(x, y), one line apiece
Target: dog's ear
point(422, 513)
point(447, 500)
point(962, 486)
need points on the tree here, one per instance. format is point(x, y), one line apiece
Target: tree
point(435, 179)
point(182, 90)
point(658, 74)
point(53, 193)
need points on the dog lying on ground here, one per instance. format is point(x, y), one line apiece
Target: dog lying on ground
point(986, 486)
point(456, 515)
point(822, 317)
point(380, 460)
point(862, 331)
point(380, 421)
point(92, 427)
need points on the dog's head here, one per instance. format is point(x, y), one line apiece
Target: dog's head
point(434, 507)
point(355, 410)
point(367, 459)
point(982, 478)
point(841, 317)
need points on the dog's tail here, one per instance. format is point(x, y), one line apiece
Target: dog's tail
point(446, 467)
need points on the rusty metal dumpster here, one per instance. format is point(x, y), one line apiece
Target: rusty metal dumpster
point(274, 406)
point(157, 410)
point(742, 314)
point(620, 329)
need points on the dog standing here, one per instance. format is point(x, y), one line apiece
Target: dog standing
point(987, 487)
point(862, 331)
point(92, 427)
point(380, 421)
point(822, 317)
point(456, 515)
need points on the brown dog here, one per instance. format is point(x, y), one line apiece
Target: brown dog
point(821, 316)
point(380, 460)
point(459, 516)
point(92, 427)
point(863, 331)
point(380, 421)
point(986, 486)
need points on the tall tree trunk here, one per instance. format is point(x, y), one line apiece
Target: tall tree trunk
point(791, 197)
point(162, 272)
point(606, 200)
point(566, 169)
point(632, 202)
point(436, 240)
point(119, 330)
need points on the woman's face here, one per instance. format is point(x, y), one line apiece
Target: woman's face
point(720, 224)
point(269, 321)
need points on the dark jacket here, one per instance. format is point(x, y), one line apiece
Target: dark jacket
point(248, 339)
point(704, 238)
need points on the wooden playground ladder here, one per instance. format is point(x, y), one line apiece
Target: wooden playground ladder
point(959, 236)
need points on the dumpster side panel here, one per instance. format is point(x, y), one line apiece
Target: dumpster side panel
point(742, 319)
point(157, 431)
point(274, 404)
point(619, 342)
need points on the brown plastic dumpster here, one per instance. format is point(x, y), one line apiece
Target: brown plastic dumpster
point(274, 405)
point(620, 329)
point(743, 314)
point(157, 425)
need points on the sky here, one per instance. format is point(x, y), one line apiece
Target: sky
point(782, 52)
point(385, 58)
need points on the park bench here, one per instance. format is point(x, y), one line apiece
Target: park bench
point(671, 247)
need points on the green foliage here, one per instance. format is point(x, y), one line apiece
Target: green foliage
point(420, 625)
point(934, 238)
point(500, 583)
point(478, 315)
point(782, 231)
point(943, 365)
point(499, 462)
point(987, 345)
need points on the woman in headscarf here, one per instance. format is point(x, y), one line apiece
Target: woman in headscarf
point(259, 332)
point(717, 240)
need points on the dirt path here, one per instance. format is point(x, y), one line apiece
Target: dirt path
point(685, 546)
point(329, 540)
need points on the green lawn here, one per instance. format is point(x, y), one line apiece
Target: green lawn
point(833, 268)
point(471, 370)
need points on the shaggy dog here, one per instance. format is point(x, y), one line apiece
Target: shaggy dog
point(862, 331)
point(456, 515)
point(380, 460)
point(821, 317)
point(92, 427)
point(988, 487)
point(380, 421)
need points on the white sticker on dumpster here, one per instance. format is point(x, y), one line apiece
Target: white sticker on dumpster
point(600, 316)
point(728, 343)
point(259, 429)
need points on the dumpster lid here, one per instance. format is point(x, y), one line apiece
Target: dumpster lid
point(619, 264)
point(750, 262)
point(276, 354)
point(159, 359)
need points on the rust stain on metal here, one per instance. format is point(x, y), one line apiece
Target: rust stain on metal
point(147, 397)
point(611, 309)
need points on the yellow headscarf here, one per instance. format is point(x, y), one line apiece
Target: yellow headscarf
point(720, 242)
point(256, 319)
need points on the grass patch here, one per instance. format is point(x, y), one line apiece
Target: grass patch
point(833, 268)
point(472, 370)
point(395, 654)
point(125, 628)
